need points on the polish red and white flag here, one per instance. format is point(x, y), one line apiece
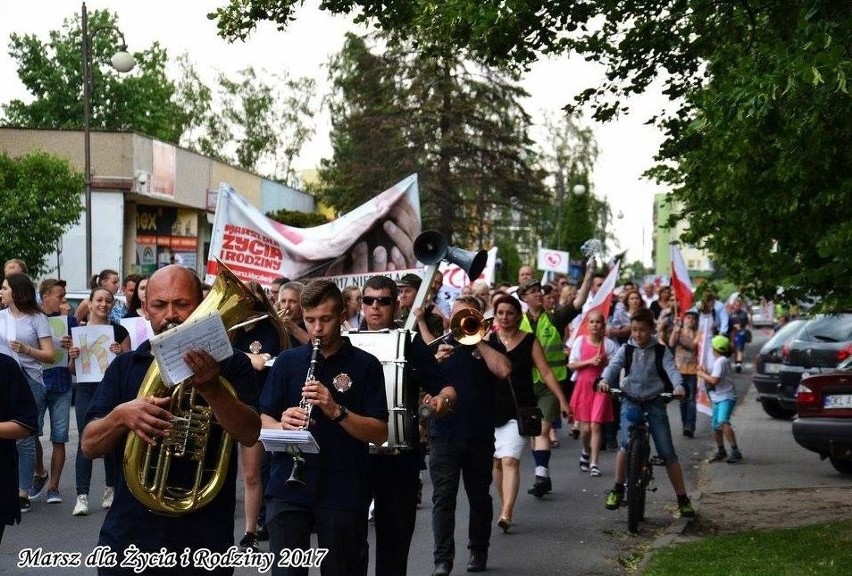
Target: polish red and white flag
point(682, 288)
point(601, 302)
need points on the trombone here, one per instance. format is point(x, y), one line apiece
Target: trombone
point(467, 327)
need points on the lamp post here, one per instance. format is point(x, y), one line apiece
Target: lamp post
point(122, 61)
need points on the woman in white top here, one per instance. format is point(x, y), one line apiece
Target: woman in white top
point(28, 333)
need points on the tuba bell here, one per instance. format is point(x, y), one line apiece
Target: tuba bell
point(149, 471)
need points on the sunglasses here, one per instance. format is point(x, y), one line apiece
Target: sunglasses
point(382, 300)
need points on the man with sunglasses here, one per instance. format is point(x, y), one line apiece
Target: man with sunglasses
point(395, 478)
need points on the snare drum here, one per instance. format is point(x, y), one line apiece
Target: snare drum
point(391, 349)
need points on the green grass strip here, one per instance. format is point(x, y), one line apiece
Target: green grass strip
point(821, 549)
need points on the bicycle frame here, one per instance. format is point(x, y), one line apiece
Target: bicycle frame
point(640, 471)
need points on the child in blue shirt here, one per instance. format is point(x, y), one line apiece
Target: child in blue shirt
point(723, 394)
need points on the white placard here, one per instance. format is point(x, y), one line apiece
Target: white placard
point(140, 330)
point(93, 342)
point(7, 334)
point(206, 332)
point(58, 329)
point(553, 260)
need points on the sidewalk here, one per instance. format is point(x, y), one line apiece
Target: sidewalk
point(778, 484)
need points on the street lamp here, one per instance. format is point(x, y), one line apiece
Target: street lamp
point(122, 61)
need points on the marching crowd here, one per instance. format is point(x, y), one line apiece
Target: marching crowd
point(490, 400)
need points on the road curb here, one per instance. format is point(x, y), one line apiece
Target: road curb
point(671, 534)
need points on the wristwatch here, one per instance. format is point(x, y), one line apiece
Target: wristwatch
point(342, 415)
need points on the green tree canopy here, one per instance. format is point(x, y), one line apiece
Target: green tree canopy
point(258, 124)
point(256, 121)
point(41, 198)
point(759, 113)
point(456, 123)
point(144, 100)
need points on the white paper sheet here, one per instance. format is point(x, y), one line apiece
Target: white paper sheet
point(283, 440)
point(206, 332)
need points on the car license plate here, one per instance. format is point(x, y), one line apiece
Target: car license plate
point(838, 401)
point(772, 368)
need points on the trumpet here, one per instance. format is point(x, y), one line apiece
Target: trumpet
point(467, 327)
point(297, 476)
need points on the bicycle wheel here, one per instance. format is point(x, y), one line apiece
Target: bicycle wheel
point(636, 465)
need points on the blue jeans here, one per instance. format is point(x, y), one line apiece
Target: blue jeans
point(27, 446)
point(687, 405)
point(450, 458)
point(83, 466)
point(658, 423)
point(59, 408)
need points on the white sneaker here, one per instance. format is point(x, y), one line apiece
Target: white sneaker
point(108, 495)
point(81, 508)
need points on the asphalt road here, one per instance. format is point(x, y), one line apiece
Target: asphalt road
point(567, 532)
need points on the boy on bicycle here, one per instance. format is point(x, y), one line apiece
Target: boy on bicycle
point(644, 382)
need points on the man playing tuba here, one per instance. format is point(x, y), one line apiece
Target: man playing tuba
point(173, 294)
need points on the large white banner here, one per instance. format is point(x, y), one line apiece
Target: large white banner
point(375, 238)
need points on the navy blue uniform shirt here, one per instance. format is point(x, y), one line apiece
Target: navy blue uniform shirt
point(128, 521)
point(337, 476)
point(472, 418)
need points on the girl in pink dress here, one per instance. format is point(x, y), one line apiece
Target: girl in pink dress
point(591, 409)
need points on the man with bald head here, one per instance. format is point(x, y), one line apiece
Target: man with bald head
point(173, 293)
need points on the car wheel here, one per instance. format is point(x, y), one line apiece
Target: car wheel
point(776, 411)
point(842, 466)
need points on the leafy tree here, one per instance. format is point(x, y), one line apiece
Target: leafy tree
point(759, 108)
point(257, 124)
point(144, 100)
point(41, 198)
point(457, 124)
point(569, 152)
point(369, 127)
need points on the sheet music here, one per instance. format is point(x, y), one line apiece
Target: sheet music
point(283, 440)
point(206, 332)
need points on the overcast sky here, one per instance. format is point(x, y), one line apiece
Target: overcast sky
point(626, 146)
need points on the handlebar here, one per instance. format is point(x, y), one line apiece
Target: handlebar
point(666, 397)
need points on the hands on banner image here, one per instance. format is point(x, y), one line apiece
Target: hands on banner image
point(376, 237)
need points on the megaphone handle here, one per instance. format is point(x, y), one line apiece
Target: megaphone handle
point(425, 286)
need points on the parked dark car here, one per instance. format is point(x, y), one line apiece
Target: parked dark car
point(824, 424)
point(824, 342)
point(767, 365)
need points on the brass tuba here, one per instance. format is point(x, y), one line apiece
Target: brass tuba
point(147, 468)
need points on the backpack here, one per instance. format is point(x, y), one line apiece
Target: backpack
point(659, 351)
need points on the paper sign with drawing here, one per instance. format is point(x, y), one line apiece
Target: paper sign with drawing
point(95, 355)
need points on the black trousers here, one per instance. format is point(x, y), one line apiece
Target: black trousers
point(394, 481)
point(342, 532)
point(450, 459)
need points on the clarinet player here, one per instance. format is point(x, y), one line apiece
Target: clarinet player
point(348, 411)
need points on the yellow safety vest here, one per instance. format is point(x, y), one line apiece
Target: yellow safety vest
point(551, 340)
